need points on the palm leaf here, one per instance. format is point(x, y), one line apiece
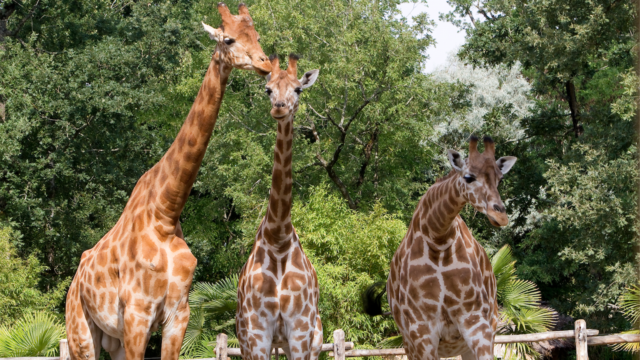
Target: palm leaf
point(630, 305)
point(632, 347)
point(34, 335)
point(391, 342)
point(518, 293)
point(503, 267)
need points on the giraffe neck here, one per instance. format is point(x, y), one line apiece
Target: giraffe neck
point(441, 204)
point(179, 166)
point(278, 226)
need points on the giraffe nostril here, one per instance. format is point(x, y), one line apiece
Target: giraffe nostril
point(499, 208)
point(279, 104)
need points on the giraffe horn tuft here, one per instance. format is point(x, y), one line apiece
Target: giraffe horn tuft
point(292, 69)
point(473, 144)
point(489, 145)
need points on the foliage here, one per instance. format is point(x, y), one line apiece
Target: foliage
point(213, 308)
point(73, 80)
point(336, 240)
point(630, 305)
point(573, 194)
point(519, 301)
point(19, 293)
point(498, 96)
point(36, 334)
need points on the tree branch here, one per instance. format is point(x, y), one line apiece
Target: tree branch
point(573, 107)
point(367, 155)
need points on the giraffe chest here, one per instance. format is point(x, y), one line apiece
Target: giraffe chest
point(277, 289)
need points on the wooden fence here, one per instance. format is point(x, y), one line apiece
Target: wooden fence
point(341, 349)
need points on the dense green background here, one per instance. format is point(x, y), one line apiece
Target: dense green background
point(92, 93)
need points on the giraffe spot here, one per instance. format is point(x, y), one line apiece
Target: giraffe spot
point(285, 205)
point(285, 300)
point(471, 321)
point(183, 266)
point(265, 285)
point(287, 161)
point(280, 146)
point(272, 266)
point(101, 280)
point(301, 325)
point(287, 128)
point(148, 247)
point(289, 142)
point(258, 258)
point(417, 250)
point(288, 228)
point(431, 289)
point(254, 320)
point(271, 306)
point(178, 244)
point(276, 184)
point(293, 281)
point(297, 304)
point(133, 249)
point(296, 259)
point(447, 257)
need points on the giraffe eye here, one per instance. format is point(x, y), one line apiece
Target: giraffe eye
point(298, 90)
point(268, 91)
point(469, 178)
point(229, 41)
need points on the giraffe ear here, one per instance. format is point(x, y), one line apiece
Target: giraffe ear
point(214, 34)
point(456, 161)
point(309, 78)
point(505, 163)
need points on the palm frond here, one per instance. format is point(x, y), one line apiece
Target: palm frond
point(391, 342)
point(630, 304)
point(503, 266)
point(35, 334)
point(216, 298)
point(518, 293)
point(632, 347)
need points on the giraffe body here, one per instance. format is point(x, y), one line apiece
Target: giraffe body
point(441, 287)
point(278, 286)
point(137, 277)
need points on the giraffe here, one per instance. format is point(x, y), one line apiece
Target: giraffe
point(441, 287)
point(137, 277)
point(278, 286)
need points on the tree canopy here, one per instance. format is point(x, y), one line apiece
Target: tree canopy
point(93, 92)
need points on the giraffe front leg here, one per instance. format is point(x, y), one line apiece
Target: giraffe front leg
point(173, 332)
point(137, 330)
point(478, 334)
point(316, 344)
point(83, 335)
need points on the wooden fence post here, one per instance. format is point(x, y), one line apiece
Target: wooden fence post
point(64, 350)
point(338, 345)
point(581, 340)
point(221, 347)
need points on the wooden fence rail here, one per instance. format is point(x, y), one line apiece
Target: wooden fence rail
point(341, 349)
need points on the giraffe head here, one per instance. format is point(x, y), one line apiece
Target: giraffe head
point(238, 41)
point(284, 88)
point(480, 176)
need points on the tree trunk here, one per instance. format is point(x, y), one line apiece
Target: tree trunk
point(573, 107)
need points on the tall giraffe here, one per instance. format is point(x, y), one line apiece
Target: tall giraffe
point(441, 287)
point(278, 286)
point(138, 275)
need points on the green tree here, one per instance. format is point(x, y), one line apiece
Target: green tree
point(75, 78)
point(19, 293)
point(572, 195)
